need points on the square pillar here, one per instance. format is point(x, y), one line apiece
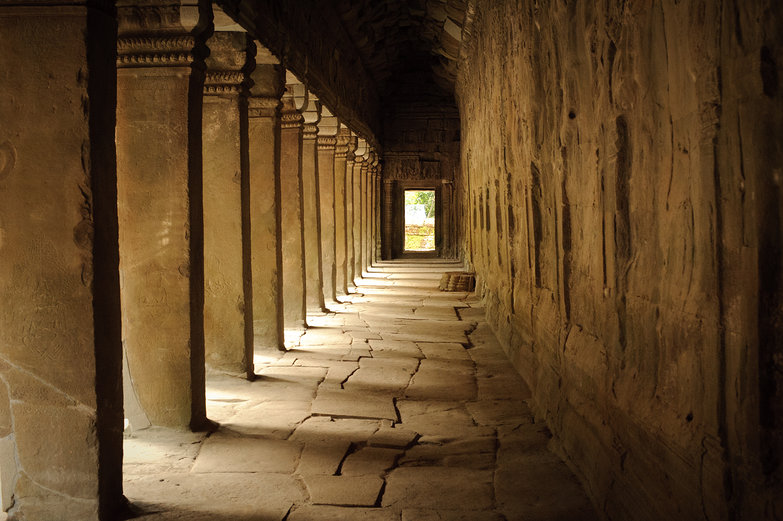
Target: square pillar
point(326, 143)
point(359, 166)
point(377, 243)
point(387, 216)
point(60, 327)
point(294, 310)
point(160, 80)
point(265, 201)
point(340, 160)
point(350, 161)
point(228, 310)
point(311, 207)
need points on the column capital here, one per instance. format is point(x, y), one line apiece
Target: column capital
point(224, 82)
point(327, 142)
point(231, 59)
point(290, 119)
point(160, 34)
point(263, 106)
point(309, 131)
point(343, 140)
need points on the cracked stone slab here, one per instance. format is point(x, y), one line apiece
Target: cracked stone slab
point(269, 419)
point(338, 372)
point(360, 491)
point(208, 497)
point(439, 488)
point(324, 336)
point(322, 457)
point(443, 380)
point(221, 453)
point(276, 383)
point(335, 429)
point(370, 461)
point(391, 348)
point(359, 335)
point(389, 375)
point(476, 452)
point(444, 350)
point(331, 513)
point(437, 418)
point(320, 353)
point(158, 449)
point(435, 312)
point(393, 437)
point(348, 404)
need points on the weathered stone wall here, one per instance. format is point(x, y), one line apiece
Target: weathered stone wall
point(622, 168)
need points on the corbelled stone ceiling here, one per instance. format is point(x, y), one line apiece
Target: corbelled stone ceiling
point(409, 47)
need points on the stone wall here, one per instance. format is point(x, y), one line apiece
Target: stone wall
point(622, 168)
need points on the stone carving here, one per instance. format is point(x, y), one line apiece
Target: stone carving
point(327, 142)
point(291, 119)
point(412, 168)
point(154, 51)
point(258, 106)
point(224, 82)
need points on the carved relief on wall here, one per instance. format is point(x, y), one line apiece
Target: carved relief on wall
point(410, 168)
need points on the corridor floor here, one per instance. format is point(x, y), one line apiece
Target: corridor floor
point(397, 405)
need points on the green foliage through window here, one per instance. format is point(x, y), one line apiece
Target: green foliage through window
point(425, 197)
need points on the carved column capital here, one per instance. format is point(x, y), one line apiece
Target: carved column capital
point(230, 62)
point(262, 106)
point(156, 51)
point(291, 119)
point(309, 131)
point(157, 34)
point(327, 142)
point(224, 82)
point(341, 149)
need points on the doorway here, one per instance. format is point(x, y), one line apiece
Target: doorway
point(419, 221)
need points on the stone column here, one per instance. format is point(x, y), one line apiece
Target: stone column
point(377, 217)
point(228, 310)
point(387, 217)
point(160, 79)
point(369, 190)
point(294, 311)
point(265, 212)
point(60, 345)
point(311, 206)
point(364, 222)
point(327, 139)
point(350, 161)
point(340, 161)
point(359, 166)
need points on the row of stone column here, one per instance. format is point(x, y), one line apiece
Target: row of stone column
point(283, 230)
point(169, 207)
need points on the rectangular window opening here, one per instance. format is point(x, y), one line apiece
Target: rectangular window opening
point(419, 220)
